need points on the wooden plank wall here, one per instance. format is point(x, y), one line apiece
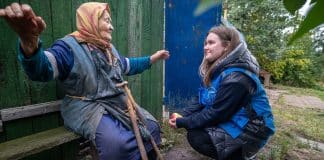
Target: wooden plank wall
point(138, 32)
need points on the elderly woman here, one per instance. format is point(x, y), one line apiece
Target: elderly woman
point(232, 118)
point(88, 67)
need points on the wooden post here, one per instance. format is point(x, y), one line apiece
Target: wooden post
point(266, 78)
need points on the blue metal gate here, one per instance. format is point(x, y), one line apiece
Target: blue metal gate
point(184, 39)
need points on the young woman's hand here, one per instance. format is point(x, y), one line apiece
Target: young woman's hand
point(28, 26)
point(173, 118)
point(159, 55)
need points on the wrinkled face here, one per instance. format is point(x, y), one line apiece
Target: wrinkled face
point(213, 47)
point(105, 26)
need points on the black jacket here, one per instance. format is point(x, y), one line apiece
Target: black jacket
point(235, 91)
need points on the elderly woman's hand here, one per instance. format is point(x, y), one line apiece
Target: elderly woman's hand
point(25, 23)
point(159, 55)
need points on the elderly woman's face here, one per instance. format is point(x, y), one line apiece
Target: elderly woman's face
point(105, 26)
point(213, 47)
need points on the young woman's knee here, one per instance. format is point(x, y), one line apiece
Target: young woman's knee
point(201, 142)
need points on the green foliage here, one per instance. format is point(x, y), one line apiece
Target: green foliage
point(262, 23)
point(205, 5)
point(267, 26)
point(319, 70)
point(277, 69)
point(297, 69)
point(170, 136)
point(292, 69)
point(301, 60)
point(313, 19)
point(292, 7)
point(318, 38)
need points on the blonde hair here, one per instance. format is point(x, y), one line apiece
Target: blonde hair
point(231, 39)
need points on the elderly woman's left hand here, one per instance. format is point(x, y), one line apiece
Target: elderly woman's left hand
point(159, 55)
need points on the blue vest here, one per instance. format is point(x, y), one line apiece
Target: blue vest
point(259, 104)
point(90, 78)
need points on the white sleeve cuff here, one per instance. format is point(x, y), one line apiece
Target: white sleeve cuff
point(53, 62)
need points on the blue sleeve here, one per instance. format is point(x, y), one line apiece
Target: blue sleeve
point(132, 66)
point(193, 107)
point(64, 58)
point(40, 68)
point(138, 65)
point(37, 67)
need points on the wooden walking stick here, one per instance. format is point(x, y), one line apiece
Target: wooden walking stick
point(131, 105)
point(134, 122)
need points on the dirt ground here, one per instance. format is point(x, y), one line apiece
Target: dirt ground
point(183, 151)
point(302, 101)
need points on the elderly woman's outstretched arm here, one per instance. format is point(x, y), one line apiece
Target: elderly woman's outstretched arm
point(28, 26)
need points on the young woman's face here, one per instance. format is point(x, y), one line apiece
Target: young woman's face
point(105, 26)
point(213, 47)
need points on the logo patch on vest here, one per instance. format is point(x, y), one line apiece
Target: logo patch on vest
point(207, 96)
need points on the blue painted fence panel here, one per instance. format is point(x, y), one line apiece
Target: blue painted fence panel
point(184, 38)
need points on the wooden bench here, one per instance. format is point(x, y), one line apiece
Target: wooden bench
point(35, 143)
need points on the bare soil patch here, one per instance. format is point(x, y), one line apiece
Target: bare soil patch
point(304, 101)
point(184, 151)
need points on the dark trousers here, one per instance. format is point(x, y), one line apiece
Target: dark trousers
point(223, 146)
point(201, 142)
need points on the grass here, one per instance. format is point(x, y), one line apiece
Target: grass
point(305, 122)
point(291, 122)
point(171, 137)
point(303, 91)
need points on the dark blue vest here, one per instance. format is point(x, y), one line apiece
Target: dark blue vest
point(259, 104)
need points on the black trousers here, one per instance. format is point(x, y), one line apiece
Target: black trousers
point(224, 146)
point(201, 142)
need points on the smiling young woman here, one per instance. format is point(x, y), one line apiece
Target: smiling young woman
point(231, 117)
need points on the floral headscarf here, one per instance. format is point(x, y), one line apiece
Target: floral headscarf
point(87, 18)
